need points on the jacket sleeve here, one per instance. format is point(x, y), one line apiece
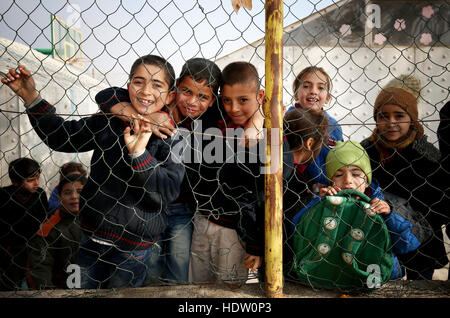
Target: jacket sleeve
point(41, 263)
point(400, 229)
point(159, 175)
point(59, 134)
point(403, 240)
point(298, 216)
point(109, 97)
point(251, 224)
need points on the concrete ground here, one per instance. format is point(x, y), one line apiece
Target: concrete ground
point(439, 287)
point(397, 289)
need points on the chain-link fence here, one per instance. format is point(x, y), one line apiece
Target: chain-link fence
point(189, 208)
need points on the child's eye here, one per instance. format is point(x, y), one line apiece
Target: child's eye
point(243, 100)
point(138, 82)
point(381, 117)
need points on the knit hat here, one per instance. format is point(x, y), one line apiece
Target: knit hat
point(403, 98)
point(348, 153)
point(407, 82)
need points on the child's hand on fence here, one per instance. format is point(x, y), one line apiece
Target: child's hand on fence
point(137, 141)
point(252, 262)
point(326, 191)
point(22, 83)
point(161, 123)
point(316, 187)
point(380, 206)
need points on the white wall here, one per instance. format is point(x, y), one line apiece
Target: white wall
point(358, 74)
point(62, 85)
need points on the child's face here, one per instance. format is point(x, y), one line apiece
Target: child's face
point(241, 101)
point(350, 177)
point(393, 122)
point(29, 184)
point(69, 196)
point(193, 98)
point(149, 90)
point(313, 91)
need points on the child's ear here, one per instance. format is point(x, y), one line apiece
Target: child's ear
point(309, 143)
point(260, 96)
point(328, 99)
point(170, 97)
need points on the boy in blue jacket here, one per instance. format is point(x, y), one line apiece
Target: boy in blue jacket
point(133, 178)
point(348, 167)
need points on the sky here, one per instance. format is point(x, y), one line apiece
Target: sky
point(116, 32)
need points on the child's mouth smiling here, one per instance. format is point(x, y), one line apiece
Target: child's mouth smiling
point(145, 102)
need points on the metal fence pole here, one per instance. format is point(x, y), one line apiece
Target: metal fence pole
point(274, 181)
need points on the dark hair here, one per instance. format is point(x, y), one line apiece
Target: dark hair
point(158, 61)
point(310, 69)
point(240, 73)
point(70, 167)
point(301, 124)
point(71, 178)
point(201, 69)
point(23, 168)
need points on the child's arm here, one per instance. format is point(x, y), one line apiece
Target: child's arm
point(55, 132)
point(117, 101)
point(22, 83)
point(42, 260)
point(153, 165)
point(402, 237)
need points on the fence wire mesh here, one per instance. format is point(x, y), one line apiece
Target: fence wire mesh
point(189, 208)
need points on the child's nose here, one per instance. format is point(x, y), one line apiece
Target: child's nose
point(347, 178)
point(233, 107)
point(147, 89)
point(194, 100)
point(313, 90)
point(392, 121)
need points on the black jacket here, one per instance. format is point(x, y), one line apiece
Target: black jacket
point(416, 175)
point(53, 249)
point(20, 217)
point(125, 200)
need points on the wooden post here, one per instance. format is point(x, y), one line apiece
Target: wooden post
point(273, 106)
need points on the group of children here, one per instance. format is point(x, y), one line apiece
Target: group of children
point(146, 218)
point(39, 239)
